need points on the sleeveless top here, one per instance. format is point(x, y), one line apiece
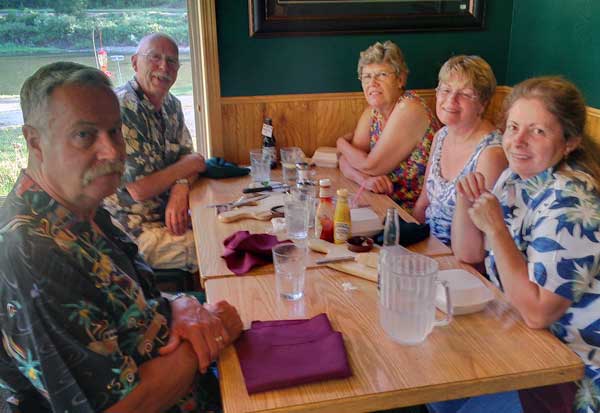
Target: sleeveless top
point(407, 177)
point(441, 192)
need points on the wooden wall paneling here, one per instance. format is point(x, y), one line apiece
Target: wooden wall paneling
point(335, 118)
point(241, 130)
point(314, 120)
point(294, 123)
point(592, 126)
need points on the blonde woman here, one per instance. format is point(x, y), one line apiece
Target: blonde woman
point(467, 143)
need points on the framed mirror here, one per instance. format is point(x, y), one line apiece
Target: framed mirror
point(270, 18)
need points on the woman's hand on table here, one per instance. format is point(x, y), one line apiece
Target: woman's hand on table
point(204, 330)
point(380, 184)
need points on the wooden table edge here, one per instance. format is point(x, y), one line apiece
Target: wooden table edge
point(389, 400)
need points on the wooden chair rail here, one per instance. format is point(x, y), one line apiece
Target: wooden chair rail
point(313, 120)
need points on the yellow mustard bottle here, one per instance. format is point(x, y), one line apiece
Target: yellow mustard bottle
point(342, 224)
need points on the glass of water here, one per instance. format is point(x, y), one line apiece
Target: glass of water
point(290, 269)
point(289, 157)
point(260, 166)
point(297, 206)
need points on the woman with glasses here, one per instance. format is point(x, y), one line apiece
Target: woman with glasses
point(467, 143)
point(389, 149)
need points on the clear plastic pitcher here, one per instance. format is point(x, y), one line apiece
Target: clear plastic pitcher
point(408, 285)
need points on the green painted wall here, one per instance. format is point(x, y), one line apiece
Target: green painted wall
point(557, 37)
point(316, 64)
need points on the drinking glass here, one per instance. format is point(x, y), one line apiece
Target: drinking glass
point(297, 206)
point(407, 296)
point(289, 157)
point(260, 166)
point(290, 269)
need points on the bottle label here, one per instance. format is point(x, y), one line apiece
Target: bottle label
point(341, 232)
point(267, 130)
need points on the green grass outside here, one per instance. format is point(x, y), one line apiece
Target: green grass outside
point(8, 49)
point(13, 157)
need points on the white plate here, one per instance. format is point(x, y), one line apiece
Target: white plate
point(467, 292)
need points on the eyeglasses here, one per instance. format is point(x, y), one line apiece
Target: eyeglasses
point(445, 92)
point(156, 58)
point(379, 76)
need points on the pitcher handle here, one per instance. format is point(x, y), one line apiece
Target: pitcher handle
point(446, 320)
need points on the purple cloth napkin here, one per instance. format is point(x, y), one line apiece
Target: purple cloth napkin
point(277, 354)
point(243, 251)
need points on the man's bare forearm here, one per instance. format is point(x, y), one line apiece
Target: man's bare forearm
point(163, 381)
point(160, 181)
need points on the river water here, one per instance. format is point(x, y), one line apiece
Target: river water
point(15, 69)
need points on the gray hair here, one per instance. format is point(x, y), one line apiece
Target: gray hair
point(386, 52)
point(36, 91)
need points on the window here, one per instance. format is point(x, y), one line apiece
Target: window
point(101, 33)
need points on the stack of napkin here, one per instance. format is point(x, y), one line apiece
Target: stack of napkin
point(277, 354)
point(325, 157)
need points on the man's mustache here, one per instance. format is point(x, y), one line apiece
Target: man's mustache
point(106, 168)
point(163, 76)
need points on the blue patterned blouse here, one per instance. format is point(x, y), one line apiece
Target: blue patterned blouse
point(441, 192)
point(554, 219)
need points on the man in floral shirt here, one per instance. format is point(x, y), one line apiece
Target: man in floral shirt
point(152, 205)
point(84, 328)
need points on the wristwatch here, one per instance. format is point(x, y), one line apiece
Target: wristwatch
point(177, 296)
point(184, 181)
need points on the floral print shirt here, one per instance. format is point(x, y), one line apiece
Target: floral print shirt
point(408, 176)
point(80, 310)
point(154, 140)
point(441, 192)
point(554, 219)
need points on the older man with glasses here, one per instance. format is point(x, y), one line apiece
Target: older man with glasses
point(152, 204)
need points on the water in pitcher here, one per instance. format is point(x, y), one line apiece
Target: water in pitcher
point(407, 295)
point(410, 321)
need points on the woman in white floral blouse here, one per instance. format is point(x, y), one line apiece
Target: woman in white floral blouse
point(539, 230)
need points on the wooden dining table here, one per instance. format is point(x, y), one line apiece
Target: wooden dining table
point(209, 233)
point(485, 352)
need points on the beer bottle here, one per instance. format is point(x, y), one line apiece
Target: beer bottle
point(268, 141)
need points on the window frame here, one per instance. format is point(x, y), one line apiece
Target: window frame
point(204, 53)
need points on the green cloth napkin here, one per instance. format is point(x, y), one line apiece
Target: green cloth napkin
point(219, 168)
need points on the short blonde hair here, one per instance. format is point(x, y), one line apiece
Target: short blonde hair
point(379, 53)
point(475, 70)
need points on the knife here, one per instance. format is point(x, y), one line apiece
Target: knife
point(368, 259)
point(239, 202)
point(264, 188)
point(334, 259)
